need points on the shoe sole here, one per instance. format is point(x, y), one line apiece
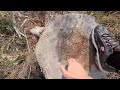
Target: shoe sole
point(97, 54)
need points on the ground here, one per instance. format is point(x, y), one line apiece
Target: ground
point(17, 58)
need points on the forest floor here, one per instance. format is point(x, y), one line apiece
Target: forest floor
point(17, 58)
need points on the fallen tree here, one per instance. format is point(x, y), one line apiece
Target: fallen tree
point(63, 37)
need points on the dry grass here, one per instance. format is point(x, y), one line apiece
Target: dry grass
point(17, 59)
point(111, 19)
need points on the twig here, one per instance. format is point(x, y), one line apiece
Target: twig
point(29, 73)
point(23, 22)
point(14, 22)
point(27, 42)
point(16, 29)
point(34, 22)
point(115, 12)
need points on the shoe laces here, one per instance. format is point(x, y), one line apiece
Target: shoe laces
point(108, 39)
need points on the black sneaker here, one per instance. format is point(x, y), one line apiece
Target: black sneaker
point(107, 50)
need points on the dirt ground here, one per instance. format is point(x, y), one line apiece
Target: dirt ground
point(23, 64)
point(17, 58)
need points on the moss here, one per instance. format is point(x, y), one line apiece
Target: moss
point(6, 26)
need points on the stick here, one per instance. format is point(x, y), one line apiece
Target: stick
point(16, 29)
point(23, 23)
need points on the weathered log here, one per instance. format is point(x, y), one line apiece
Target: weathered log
point(65, 36)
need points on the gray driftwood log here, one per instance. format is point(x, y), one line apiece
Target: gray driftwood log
point(63, 37)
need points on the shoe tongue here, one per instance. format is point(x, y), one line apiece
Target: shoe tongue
point(117, 48)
